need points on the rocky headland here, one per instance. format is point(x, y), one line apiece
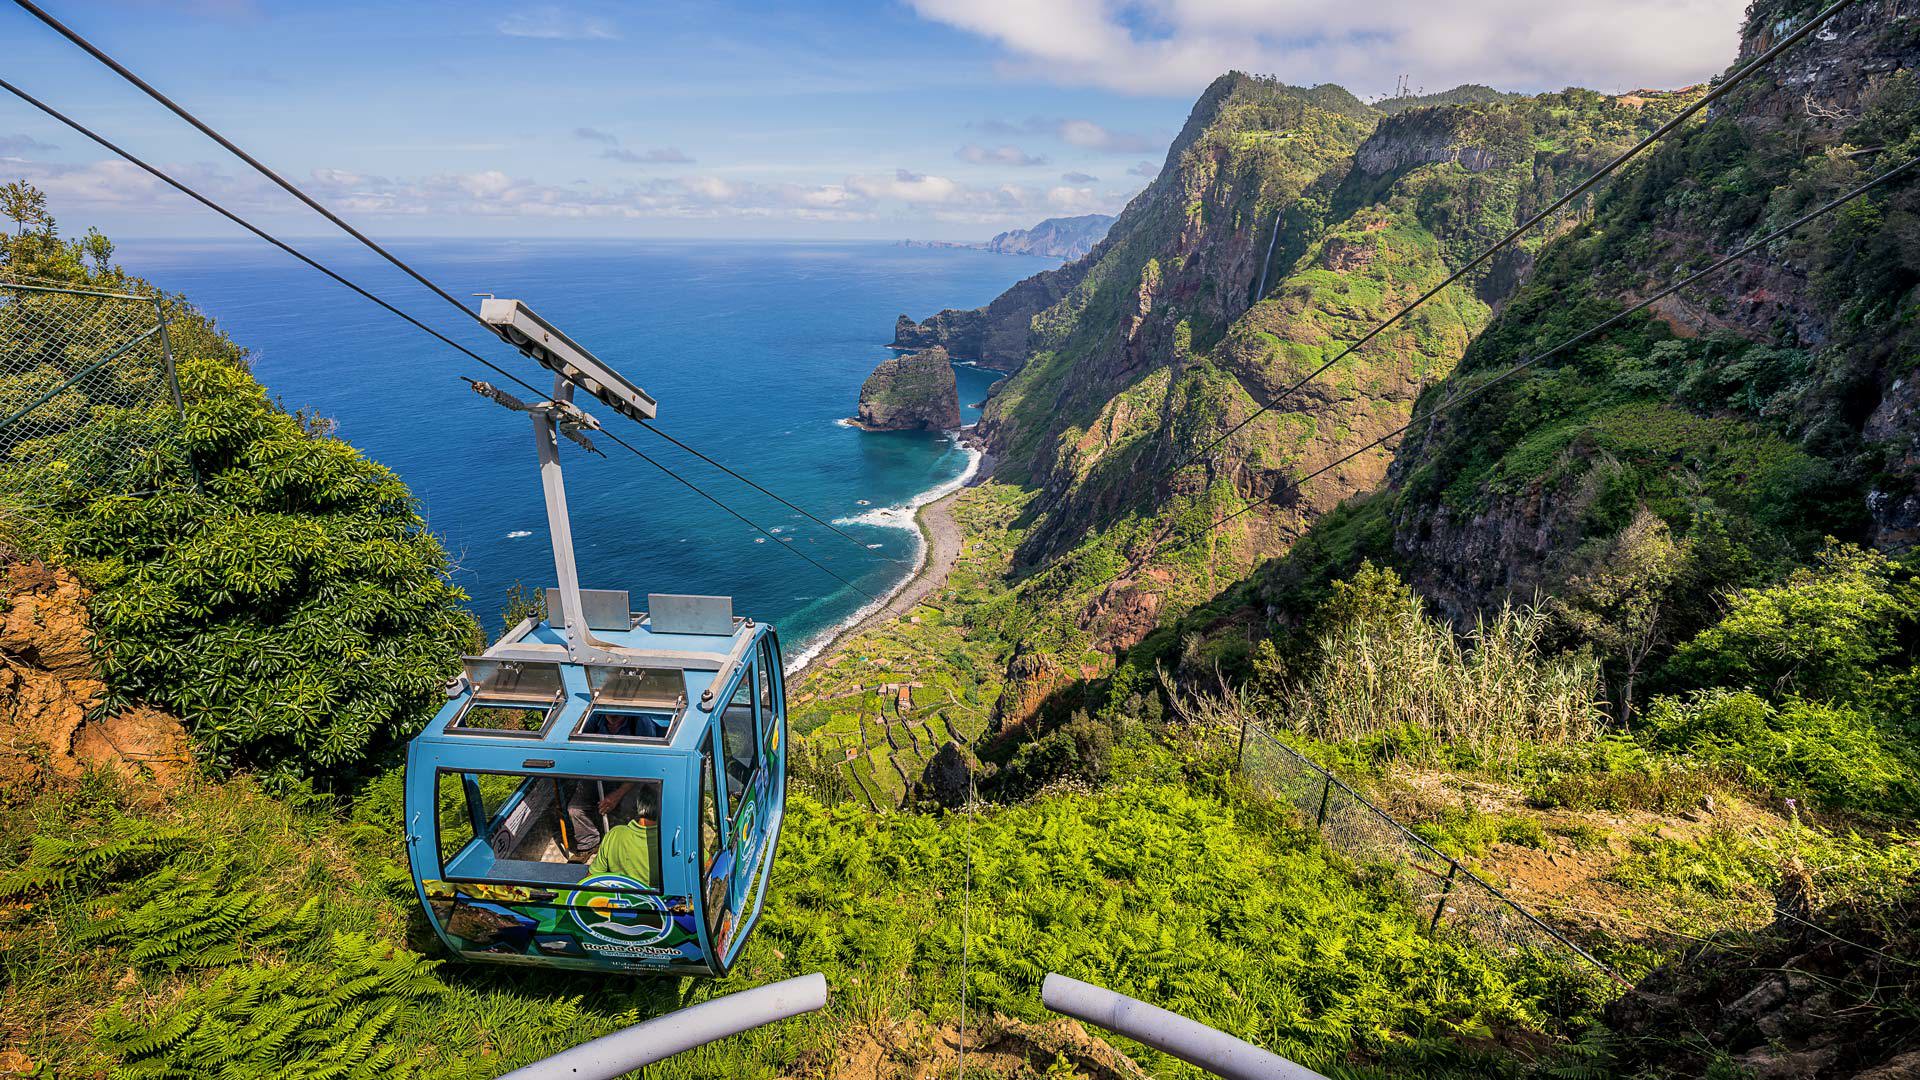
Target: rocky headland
point(916, 392)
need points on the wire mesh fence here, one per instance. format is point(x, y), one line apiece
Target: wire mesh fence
point(1449, 896)
point(88, 393)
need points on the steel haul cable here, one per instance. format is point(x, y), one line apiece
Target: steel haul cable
point(357, 289)
point(294, 190)
point(1719, 91)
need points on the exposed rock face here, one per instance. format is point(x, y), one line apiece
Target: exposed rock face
point(49, 683)
point(911, 393)
point(1058, 238)
point(1430, 137)
point(999, 335)
point(1477, 545)
point(1318, 205)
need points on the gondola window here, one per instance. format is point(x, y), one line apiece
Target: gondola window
point(548, 830)
point(737, 738)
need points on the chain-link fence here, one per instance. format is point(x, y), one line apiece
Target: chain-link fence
point(88, 394)
point(1443, 892)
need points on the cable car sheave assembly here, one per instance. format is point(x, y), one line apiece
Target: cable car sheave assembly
point(603, 789)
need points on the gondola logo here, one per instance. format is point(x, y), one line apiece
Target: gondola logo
point(628, 917)
point(747, 827)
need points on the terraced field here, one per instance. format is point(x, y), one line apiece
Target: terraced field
point(885, 701)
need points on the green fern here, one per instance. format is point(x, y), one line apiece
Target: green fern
point(172, 922)
point(332, 1019)
point(122, 846)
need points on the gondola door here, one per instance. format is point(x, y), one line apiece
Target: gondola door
point(746, 789)
point(716, 858)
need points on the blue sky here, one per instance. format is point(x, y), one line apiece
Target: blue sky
point(932, 119)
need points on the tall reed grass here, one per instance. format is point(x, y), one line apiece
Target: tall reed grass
point(1404, 677)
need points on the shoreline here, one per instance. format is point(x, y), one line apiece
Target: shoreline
point(939, 550)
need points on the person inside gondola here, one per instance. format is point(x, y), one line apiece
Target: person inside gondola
point(592, 808)
point(628, 848)
point(591, 804)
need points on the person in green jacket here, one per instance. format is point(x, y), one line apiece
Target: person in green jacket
point(630, 848)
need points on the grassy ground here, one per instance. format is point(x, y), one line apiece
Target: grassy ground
point(149, 937)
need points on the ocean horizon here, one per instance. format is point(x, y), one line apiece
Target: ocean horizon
point(755, 351)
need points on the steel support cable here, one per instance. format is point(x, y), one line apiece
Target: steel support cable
point(1719, 91)
point(698, 490)
point(809, 516)
point(203, 200)
point(196, 196)
point(294, 190)
point(1593, 331)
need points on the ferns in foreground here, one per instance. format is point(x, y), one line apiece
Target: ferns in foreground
point(172, 921)
point(328, 1019)
point(58, 863)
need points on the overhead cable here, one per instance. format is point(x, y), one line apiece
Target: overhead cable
point(1716, 93)
point(217, 208)
point(1593, 331)
point(314, 204)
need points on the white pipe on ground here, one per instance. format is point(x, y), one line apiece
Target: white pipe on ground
point(664, 1036)
point(1189, 1040)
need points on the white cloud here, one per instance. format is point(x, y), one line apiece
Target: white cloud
point(1088, 135)
point(592, 134)
point(1078, 177)
point(1072, 200)
point(998, 155)
point(903, 195)
point(1143, 168)
point(1177, 46)
point(913, 188)
point(552, 23)
point(1076, 132)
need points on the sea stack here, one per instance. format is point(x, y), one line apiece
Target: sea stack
point(916, 392)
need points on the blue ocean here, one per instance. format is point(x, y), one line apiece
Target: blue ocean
point(755, 351)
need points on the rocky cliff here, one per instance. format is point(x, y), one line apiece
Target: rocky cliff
point(1285, 224)
point(997, 336)
point(1770, 408)
point(1056, 238)
point(911, 393)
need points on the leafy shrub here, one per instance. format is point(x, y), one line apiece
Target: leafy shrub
point(1080, 748)
point(1820, 633)
point(1834, 753)
point(293, 610)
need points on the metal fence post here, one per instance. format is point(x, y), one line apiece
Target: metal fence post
point(1441, 907)
point(173, 384)
point(1326, 790)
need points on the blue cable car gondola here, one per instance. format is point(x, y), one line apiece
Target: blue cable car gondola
point(603, 789)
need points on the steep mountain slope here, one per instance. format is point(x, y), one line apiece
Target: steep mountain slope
point(1285, 222)
point(1770, 407)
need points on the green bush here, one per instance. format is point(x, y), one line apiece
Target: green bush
point(1835, 754)
point(292, 609)
point(1820, 633)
